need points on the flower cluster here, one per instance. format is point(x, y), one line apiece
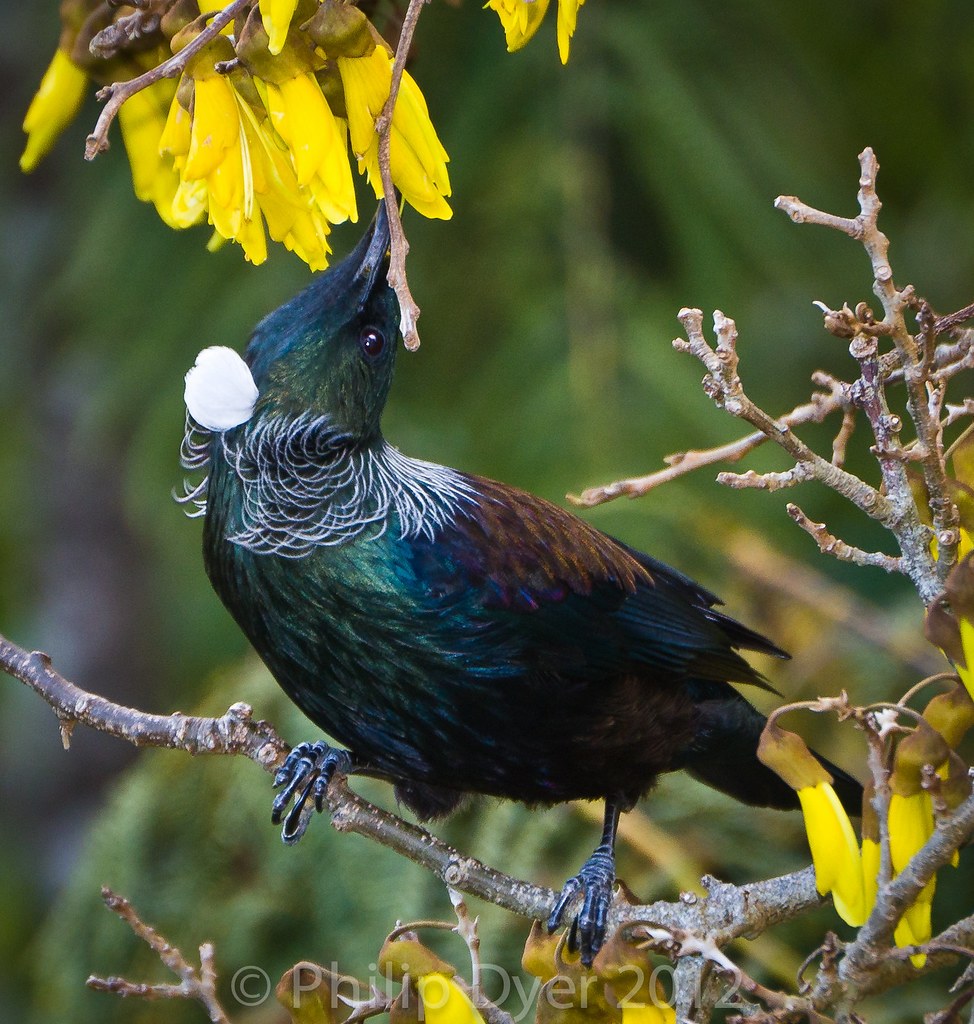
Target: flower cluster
point(254, 136)
point(621, 987)
point(922, 760)
point(521, 18)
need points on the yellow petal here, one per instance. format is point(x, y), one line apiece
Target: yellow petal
point(276, 16)
point(54, 105)
point(913, 930)
point(967, 642)
point(519, 19)
point(870, 873)
point(417, 159)
point(835, 852)
point(189, 203)
point(175, 136)
point(143, 118)
point(216, 126)
point(567, 17)
point(412, 118)
point(910, 826)
point(252, 239)
point(365, 81)
point(302, 117)
point(412, 178)
point(444, 1002)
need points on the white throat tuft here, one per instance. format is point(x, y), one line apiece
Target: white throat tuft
point(220, 390)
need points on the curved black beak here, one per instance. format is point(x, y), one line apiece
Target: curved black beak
point(374, 259)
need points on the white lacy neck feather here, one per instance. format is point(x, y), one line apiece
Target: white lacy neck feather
point(304, 486)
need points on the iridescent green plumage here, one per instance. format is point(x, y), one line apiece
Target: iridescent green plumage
point(456, 634)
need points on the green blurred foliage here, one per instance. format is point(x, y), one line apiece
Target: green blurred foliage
point(591, 203)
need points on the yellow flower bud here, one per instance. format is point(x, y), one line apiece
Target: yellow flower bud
point(951, 714)
point(400, 958)
point(309, 993)
point(786, 754)
point(341, 30)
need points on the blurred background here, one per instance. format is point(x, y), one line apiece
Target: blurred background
point(591, 202)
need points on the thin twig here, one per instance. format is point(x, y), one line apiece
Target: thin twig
point(679, 464)
point(399, 245)
point(831, 545)
point(467, 929)
point(199, 985)
point(945, 323)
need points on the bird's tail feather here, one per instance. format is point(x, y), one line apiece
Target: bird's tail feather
point(724, 754)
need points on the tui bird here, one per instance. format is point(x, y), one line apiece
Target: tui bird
point(456, 634)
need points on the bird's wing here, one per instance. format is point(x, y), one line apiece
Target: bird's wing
point(560, 596)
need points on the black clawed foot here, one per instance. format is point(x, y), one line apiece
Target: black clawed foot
point(595, 881)
point(306, 771)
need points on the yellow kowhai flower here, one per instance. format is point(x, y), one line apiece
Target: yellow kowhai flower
point(422, 972)
point(316, 140)
point(835, 852)
point(143, 119)
point(53, 107)
point(831, 839)
point(910, 824)
point(238, 171)
point(417, 159)
point(520, 20)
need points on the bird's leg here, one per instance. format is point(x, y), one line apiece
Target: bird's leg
point(307, 771)
point(596, 881)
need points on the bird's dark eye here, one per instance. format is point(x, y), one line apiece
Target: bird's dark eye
point(372, 341)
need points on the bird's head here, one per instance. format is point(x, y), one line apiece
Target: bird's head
point(331, 349)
